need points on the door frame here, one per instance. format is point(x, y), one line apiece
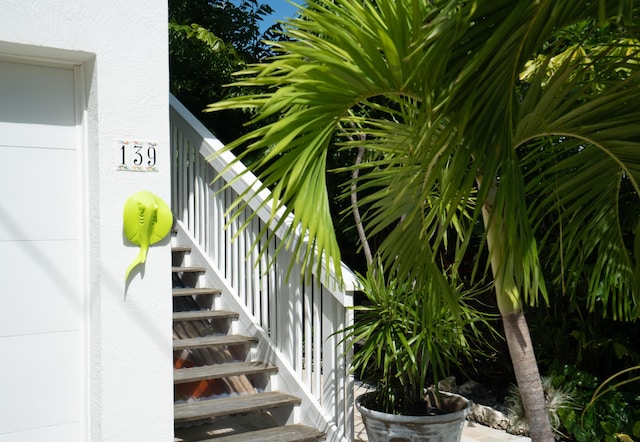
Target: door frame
point(77, 62)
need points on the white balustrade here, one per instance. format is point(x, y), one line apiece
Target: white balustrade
point(299, 317)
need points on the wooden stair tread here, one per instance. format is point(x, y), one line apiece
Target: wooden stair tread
point(195, 291)
point(234, 407)
point(287, 433)
point(211, 341)
point(247, 403)
point(193, 315)
point(188, 269)
point(192, 374)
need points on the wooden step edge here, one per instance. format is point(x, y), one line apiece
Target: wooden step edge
point(286, 433)
point(180, 249)
point(218, 371)
point(188, 269)
point(194, 291)
point(212, 341)
point(194, 315)
point(240, 404)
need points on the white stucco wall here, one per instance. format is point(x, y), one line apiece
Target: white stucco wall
point(123, 47)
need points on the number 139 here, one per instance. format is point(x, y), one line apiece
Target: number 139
point(138, 156)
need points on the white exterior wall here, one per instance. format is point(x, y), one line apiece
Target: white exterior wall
point(122, 46)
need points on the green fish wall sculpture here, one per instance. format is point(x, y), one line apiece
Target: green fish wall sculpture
point(147, 220)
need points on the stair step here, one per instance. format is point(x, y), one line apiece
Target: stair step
point(181, 249)
point(195, 315)
point(197, 291)
point(188, 269)
point(212, 341)
point(192, 374)
point(247, 403)
point(287, 433)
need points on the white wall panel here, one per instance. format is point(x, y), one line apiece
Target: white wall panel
point(56, 433)
point(41, 376)
point(40, 114)
point(41, 306)
point(39, 289)
point(39, 193)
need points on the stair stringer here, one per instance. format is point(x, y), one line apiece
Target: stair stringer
point(309, 412)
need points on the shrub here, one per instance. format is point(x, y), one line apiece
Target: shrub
point(609, 418)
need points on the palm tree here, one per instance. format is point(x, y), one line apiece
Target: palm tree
point(469, 118)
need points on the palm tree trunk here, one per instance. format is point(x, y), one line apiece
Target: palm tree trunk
point(356, 210)
point(517, 334)
point(523, 358)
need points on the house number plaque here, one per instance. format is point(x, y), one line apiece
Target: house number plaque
point(137, 156)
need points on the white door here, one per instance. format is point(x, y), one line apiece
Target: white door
point(42, 355)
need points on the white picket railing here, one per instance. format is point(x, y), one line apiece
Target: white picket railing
point(296, 320)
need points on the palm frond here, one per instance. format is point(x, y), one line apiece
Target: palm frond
point(359, 51)
point(436, 90)
point(584, 164)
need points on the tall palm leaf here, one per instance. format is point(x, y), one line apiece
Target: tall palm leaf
point(434, 88)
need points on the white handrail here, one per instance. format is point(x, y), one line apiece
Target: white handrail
point(300, 318)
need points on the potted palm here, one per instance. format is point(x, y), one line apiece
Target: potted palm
point(406, 337)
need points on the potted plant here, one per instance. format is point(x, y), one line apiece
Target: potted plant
point(406, 337)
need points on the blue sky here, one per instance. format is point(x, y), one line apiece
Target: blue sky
point(282, 9)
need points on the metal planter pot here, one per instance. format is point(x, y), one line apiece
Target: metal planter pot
point(383, 427)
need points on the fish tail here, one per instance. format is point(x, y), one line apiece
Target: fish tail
point(140, 259)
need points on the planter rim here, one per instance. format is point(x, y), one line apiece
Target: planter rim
point(460, 414)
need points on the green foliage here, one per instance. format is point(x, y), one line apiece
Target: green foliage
point(458, 141)
point(208, 42)
point(558, 398)
point(614, 413)
point(407, 332)
point(214, 42)
point(608, 385)
point(235, 23)
point(566, 332)
point(443, 78)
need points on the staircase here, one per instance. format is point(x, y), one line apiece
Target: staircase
point(220, 394)
point(293, 321)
